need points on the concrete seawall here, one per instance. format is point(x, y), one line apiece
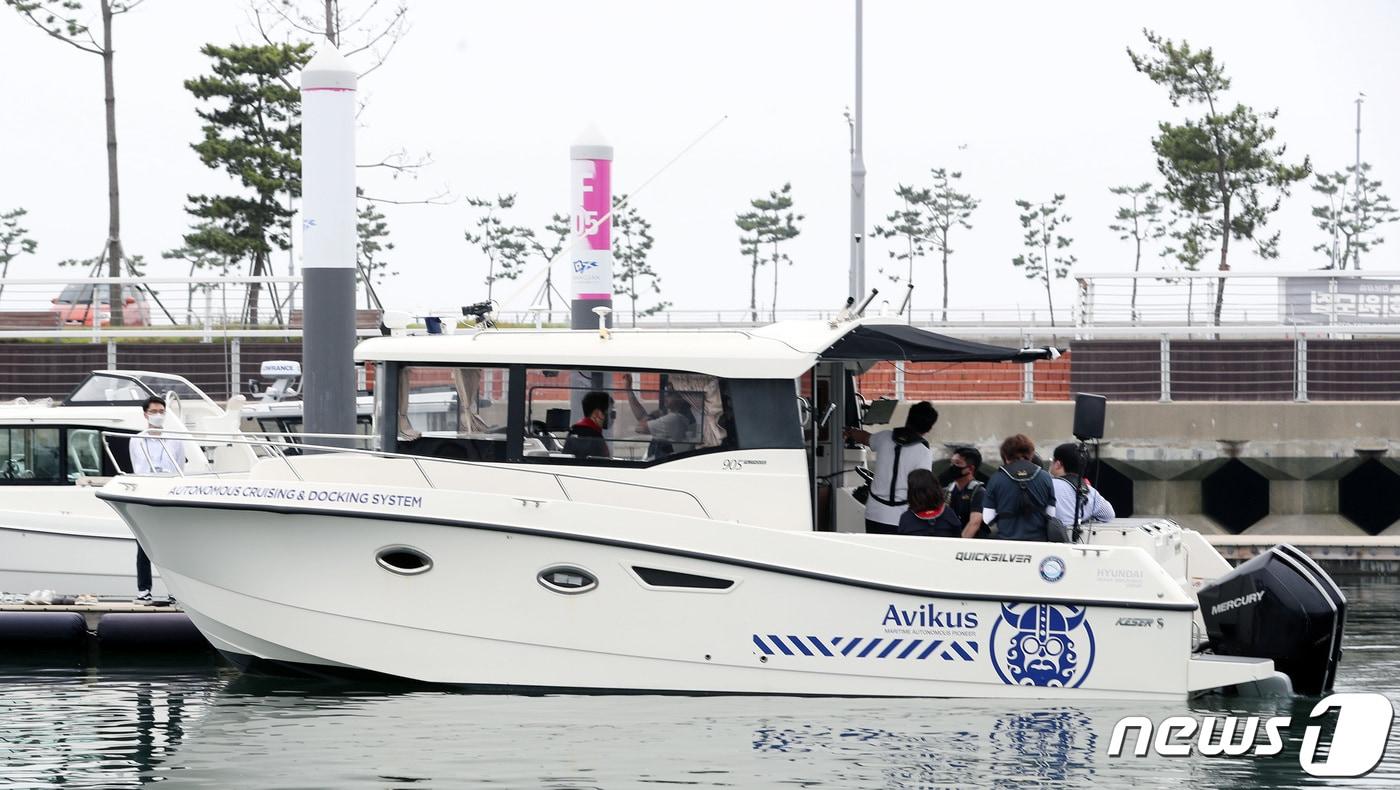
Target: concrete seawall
point(1260, 468)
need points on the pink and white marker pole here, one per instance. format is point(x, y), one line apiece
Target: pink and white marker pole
point(590, 256)
point(328, 231)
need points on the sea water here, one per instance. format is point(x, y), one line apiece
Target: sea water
point(209, 726)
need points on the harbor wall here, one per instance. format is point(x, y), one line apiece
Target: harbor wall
point(1264, 468)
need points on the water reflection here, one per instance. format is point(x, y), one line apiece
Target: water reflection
point(1021, 746)
point(115, 728)
point(96, 729)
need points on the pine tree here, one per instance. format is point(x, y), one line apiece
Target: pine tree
point(252, 131)
point(909, 225)
point(1224, 163)
point(372, 240)
point(632, 272)
point(752, 225)
point(947, 208)
point(14, 242)
point(779, 224)
point(1354, 210)
point(1045, 258)
point(1140, 220)
point(506, 247)
point(558, 233)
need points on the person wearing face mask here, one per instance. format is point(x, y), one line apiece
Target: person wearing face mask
point(586, 438)
point(965, 493)
point(153, 455)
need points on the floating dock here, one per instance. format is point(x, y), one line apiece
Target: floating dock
point(99, 633)
point(1338, 554)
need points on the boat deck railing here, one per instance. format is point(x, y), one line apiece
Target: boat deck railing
point(277, 448)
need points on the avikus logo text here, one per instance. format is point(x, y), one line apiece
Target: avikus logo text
point(1357, 744)
point(928, 616)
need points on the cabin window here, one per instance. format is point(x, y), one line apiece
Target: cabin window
point(453, 412)
point(84, 453)
point(650, 416)
point(30, 455)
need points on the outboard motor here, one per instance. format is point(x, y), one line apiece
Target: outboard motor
point(1281, 606)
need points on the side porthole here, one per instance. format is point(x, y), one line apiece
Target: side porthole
point(567, 579)
point(676, 580)
point(404, 560)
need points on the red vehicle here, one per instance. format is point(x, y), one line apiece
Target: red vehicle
point(74, 307)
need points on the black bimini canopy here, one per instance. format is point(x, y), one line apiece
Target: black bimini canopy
point(879, 342)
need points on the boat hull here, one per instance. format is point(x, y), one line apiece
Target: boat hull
point(70, 560)
point(798, 613)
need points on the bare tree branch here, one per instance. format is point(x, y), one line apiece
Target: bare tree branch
point(369, 7)
point(58, 34)
point(443, 198)
point(303, 24)
point(391, 27)
point(398, 162)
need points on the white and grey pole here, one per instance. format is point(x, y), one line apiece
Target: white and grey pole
point(858, 177)
point(1356, 189)
point(590, 255)
point(328, 230)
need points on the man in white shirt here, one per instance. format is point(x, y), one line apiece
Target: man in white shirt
point(153, 455)
point(897, 453)
point(1068, 471)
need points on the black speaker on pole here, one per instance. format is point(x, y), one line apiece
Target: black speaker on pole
point(1089, 416)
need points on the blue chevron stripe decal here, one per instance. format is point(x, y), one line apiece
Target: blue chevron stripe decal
point(866, 647)
point(778, 640)
point(932, 646)
point(886, 652)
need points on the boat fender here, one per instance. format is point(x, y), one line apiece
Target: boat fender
point(41, 629)
point(148, 631)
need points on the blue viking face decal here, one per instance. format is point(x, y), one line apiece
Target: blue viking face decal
point(1042, 645)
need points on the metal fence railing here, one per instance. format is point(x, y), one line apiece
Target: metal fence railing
point(1311, 298)
point(153, 307)
point(1340, 339)
point(1004, 315)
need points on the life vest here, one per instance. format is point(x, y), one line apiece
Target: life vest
point(902, 437)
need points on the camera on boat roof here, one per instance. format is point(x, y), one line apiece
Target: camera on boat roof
point(480, 311)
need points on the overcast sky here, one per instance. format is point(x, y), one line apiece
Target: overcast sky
point(1025, 98)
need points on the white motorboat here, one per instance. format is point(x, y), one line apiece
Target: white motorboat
point(690, 548)
point(54, 533)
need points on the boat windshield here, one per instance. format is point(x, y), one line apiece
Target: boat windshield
point(108, 389)
point(163, 384)
point(572, 415)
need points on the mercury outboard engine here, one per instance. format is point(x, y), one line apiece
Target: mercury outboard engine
point(1281, 606)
